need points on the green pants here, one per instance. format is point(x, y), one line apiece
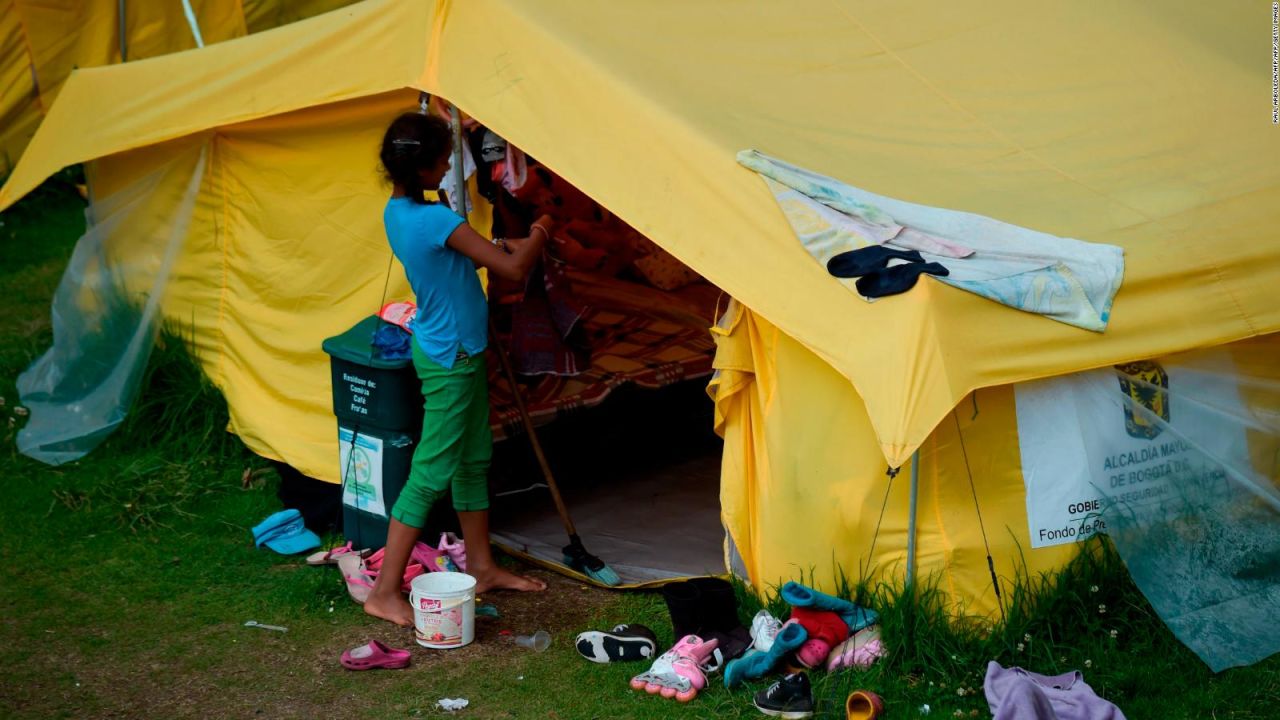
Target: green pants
point(456, 443)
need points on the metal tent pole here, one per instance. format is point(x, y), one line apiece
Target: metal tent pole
point(459, 172)
point(911, 519)
point(191, 20)
point(124, 33)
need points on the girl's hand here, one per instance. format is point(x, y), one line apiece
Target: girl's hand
point(544, 223)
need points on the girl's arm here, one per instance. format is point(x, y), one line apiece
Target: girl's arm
point(514, 266)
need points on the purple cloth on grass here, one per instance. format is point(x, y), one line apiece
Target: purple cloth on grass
point(1016, 694)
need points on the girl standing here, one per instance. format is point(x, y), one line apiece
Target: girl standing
point(440, 253)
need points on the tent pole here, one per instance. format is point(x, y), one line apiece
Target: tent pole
point(124, 33)
point(459, 172)
point(911, 519)
point(191, 20)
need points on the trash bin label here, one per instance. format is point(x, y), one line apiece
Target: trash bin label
point(360, 458)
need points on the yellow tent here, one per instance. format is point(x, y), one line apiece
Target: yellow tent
point(1139, 126)
point(41, 42)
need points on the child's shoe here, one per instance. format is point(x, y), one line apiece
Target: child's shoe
point(681, 671)
point(432, 559)
point(457, 549)
point(624, 643)
point(693, 666)
point(826, 630)
point(764, 628)
point(791, 697)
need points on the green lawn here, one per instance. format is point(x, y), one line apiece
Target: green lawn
point(129, 576)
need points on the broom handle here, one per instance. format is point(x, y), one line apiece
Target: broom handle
point(531, 432)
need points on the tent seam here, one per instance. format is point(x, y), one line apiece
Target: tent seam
point(222, 236)
point(947, 545)
point(31, 57)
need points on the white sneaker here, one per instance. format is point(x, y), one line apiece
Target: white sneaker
point(764, 628)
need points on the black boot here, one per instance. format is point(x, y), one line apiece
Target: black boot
point(684, 602)
point(718, 607)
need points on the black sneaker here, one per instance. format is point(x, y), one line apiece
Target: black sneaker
point(791, 698)
point(625, 643)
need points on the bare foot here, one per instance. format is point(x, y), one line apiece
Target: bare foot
point(496, 578)
point(395, 610)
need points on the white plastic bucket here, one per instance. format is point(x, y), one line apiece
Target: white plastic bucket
point(444, 609)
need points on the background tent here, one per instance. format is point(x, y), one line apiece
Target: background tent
point(1139, 127)
point(42, 41)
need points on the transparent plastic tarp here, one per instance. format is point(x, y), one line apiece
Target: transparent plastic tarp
point(106, 312)
point(1177, 460)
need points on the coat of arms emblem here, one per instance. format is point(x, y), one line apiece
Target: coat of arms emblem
point(1146, 385)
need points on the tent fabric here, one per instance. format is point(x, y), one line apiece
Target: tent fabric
point(262, 15)
point(802, 490)
point(42, 41)
point(1138, 127)
point(803, 483)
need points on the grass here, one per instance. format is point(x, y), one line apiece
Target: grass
point(129, 576)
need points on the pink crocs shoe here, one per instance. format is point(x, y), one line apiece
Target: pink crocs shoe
point(432, 559)
point(456, 548)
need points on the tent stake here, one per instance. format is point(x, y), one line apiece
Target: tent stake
point(911, 519)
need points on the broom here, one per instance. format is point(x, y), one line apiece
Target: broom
point(575, 555)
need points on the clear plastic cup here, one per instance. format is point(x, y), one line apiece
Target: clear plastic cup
point(536, 642)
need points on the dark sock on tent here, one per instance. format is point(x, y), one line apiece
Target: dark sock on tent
point(856, 263)
point(897, 279)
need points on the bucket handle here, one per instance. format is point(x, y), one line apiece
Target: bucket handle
point(457, 603)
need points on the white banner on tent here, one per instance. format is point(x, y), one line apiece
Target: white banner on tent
point(362, 467)
point(1095, 438)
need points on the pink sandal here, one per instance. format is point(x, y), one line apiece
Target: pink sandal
point(357, 578)
point(860, 651)
point(373, 566)
point(375, 655)
point(330, 556)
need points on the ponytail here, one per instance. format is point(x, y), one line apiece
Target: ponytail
point(414, 142)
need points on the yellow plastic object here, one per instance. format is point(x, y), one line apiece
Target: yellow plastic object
point(1139, 125)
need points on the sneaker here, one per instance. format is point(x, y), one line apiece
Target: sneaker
point(764, 628)
point(791, 697)
point(625, 643)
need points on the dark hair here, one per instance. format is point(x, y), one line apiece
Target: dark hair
point(414, 142)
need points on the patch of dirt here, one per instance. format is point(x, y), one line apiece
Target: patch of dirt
point(229, 671)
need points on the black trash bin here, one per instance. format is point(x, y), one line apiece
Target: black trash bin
point(378, 404)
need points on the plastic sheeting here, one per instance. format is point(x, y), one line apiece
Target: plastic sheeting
point(107, 312)
point(1177, 461)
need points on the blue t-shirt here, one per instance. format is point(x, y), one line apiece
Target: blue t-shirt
point(452, 311)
